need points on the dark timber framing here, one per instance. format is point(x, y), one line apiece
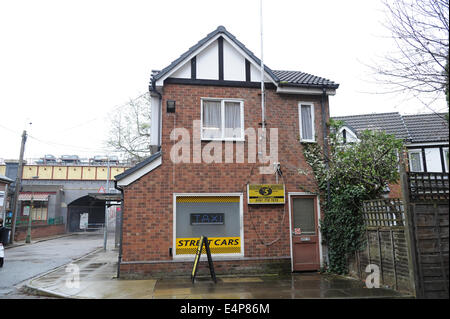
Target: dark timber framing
point(424, 160)
point(248, 74)
point(241, 84)
point(422, 151)
point(220, 41)
point(194, 68)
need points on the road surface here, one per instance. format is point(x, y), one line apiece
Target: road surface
point(28, 261)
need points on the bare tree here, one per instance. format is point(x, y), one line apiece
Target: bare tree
point(420, 29)
point(130, 129)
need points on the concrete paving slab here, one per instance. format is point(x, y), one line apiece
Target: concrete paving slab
point(98, 271)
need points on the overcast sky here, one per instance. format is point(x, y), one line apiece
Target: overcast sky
point(66, 65)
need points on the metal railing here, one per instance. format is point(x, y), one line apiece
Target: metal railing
point(23, 220)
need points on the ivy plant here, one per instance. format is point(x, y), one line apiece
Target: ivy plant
point(352, 173)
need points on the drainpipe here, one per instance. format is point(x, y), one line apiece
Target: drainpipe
point(121, 229)
point(325, 137)
point(152, 88)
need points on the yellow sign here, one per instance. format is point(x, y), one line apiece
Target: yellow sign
point(266, 194)
point(217, 245)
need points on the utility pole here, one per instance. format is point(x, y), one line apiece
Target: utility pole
point(15, 207)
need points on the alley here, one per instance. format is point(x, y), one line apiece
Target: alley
point(27, 261)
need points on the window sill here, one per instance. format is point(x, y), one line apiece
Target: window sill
point(308, 141)
point(205, 139)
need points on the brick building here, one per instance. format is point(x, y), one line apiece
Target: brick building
point(206, 114)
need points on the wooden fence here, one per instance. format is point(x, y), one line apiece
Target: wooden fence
point(426, 198)
point(408, 238)
point(386, 244)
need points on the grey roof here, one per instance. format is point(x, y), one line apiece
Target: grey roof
point(427, 127)
point(391, 123)
point(138, 166)
point(297, 78)
point(294, 78)
point(413, 128)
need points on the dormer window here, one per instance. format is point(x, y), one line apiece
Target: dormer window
point(222, 119)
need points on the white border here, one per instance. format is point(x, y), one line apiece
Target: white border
point(312, 122)
point(127, 180)
point(216, 256)
point(318, 225)
point(311, 91)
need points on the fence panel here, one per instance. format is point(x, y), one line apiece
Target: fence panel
point(386, 245)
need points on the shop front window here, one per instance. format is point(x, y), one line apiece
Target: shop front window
point(38, 210)
point(217, 217)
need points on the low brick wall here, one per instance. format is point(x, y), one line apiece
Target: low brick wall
point(223, 267)
point(39, 231)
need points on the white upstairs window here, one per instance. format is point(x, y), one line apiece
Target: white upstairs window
point(306, 121)
point(222, 119)
point(415, 161)
point(446, 159)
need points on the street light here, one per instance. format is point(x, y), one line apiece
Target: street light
point(28, 239)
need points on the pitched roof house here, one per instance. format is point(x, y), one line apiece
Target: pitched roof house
point(426, 136)
point(211, 172)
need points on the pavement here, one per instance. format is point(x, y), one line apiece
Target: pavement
point(37, 240)
point(94, 276)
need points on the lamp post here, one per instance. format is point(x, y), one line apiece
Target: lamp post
point(28, 238)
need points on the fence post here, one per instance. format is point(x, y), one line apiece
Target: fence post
point(409, 229)
point(381, 256)
point(394, 264)
point(441, 258)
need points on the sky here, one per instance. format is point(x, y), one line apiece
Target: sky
point(66, 66)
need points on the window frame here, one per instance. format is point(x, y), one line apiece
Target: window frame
point(445, 150)
point(226, 256)
point(418, 151)
point(222, 128)
point(303, 140)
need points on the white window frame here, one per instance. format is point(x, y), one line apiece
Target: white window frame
point(216, 256)
point(420, 158)
point(222, 110)
point(313, 140)
point(445, 149)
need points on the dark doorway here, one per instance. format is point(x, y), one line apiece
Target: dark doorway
point(95, 210)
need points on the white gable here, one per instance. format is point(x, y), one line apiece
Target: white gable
point(184, 72)
point(255, 74)
point(233, 63)
point(208, 62)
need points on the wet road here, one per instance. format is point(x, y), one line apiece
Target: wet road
point(25, 262)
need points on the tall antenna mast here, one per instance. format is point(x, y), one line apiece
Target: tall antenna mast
point(263, 116)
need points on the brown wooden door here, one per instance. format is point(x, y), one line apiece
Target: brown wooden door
point(305, 236)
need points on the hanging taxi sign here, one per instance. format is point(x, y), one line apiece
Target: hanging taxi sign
point(265, 193)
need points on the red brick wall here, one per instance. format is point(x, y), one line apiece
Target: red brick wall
point(39, 231)
point(148, 202)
